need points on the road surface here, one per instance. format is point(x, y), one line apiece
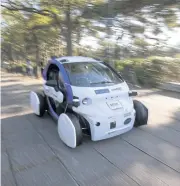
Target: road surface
point(33, 155)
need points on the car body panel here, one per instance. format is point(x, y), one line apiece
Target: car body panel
point(107, 107)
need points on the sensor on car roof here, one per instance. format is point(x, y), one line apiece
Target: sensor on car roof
point(63, 60)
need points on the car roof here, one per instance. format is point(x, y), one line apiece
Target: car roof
point(75, 59)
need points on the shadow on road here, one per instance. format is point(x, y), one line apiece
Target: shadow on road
point(34, 153)
point(15, 97)
point(32, 142)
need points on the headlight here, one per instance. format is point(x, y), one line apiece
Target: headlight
point(87, 101)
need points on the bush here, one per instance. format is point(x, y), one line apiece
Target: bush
point(151, 71)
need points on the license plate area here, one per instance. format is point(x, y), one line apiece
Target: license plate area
point(114, 105)
point(113, 125)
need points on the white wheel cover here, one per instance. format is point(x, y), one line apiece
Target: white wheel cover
point(34, 101)
point(66, 130)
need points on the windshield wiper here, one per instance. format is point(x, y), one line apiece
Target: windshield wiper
point(102, 82)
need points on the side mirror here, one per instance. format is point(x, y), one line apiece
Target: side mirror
point(76, 101)
point(132, 93)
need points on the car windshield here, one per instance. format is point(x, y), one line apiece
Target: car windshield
point(91, 74)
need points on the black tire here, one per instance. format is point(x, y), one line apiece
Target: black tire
point(42, 105)
point(78, 129)
point(141, 114)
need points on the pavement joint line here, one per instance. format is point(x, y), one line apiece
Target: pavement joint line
point(123, 171)
point(150, 133)
point(11, 167)
point(115, 165)
point(32, 165)
point(56, 155)
point(169, 127)
point(150, 155)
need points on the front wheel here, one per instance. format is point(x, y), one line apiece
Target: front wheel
point(69, 130)
point(141, 114)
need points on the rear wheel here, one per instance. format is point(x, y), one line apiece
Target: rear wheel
point(69, 130)
point(38, 103)
point(42, 104)
point(141, 113)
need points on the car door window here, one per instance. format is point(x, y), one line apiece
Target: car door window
point(52, 74)
point(55, 75)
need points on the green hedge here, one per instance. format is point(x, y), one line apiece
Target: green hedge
point(152, 70)
point(143, 71)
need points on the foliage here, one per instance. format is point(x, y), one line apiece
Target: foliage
point(152, 70)
point(41, 28)
point(140, 42)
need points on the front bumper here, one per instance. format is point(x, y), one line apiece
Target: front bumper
point(104, 131)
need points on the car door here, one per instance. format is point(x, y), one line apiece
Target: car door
point(51, 87)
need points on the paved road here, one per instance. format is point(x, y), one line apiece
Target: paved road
point(33, 154)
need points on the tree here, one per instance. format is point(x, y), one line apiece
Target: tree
point(24, 35)
point(65, 14)
point(70, 21)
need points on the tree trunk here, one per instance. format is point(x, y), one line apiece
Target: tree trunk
point(69, 31)
point(78, 39)
point(10, 53)
point(37, 66)
point(37, 62)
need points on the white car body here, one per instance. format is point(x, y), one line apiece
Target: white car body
point(101, 111)
point(109, 109)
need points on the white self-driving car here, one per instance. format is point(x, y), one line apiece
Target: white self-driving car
point(87, 96)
